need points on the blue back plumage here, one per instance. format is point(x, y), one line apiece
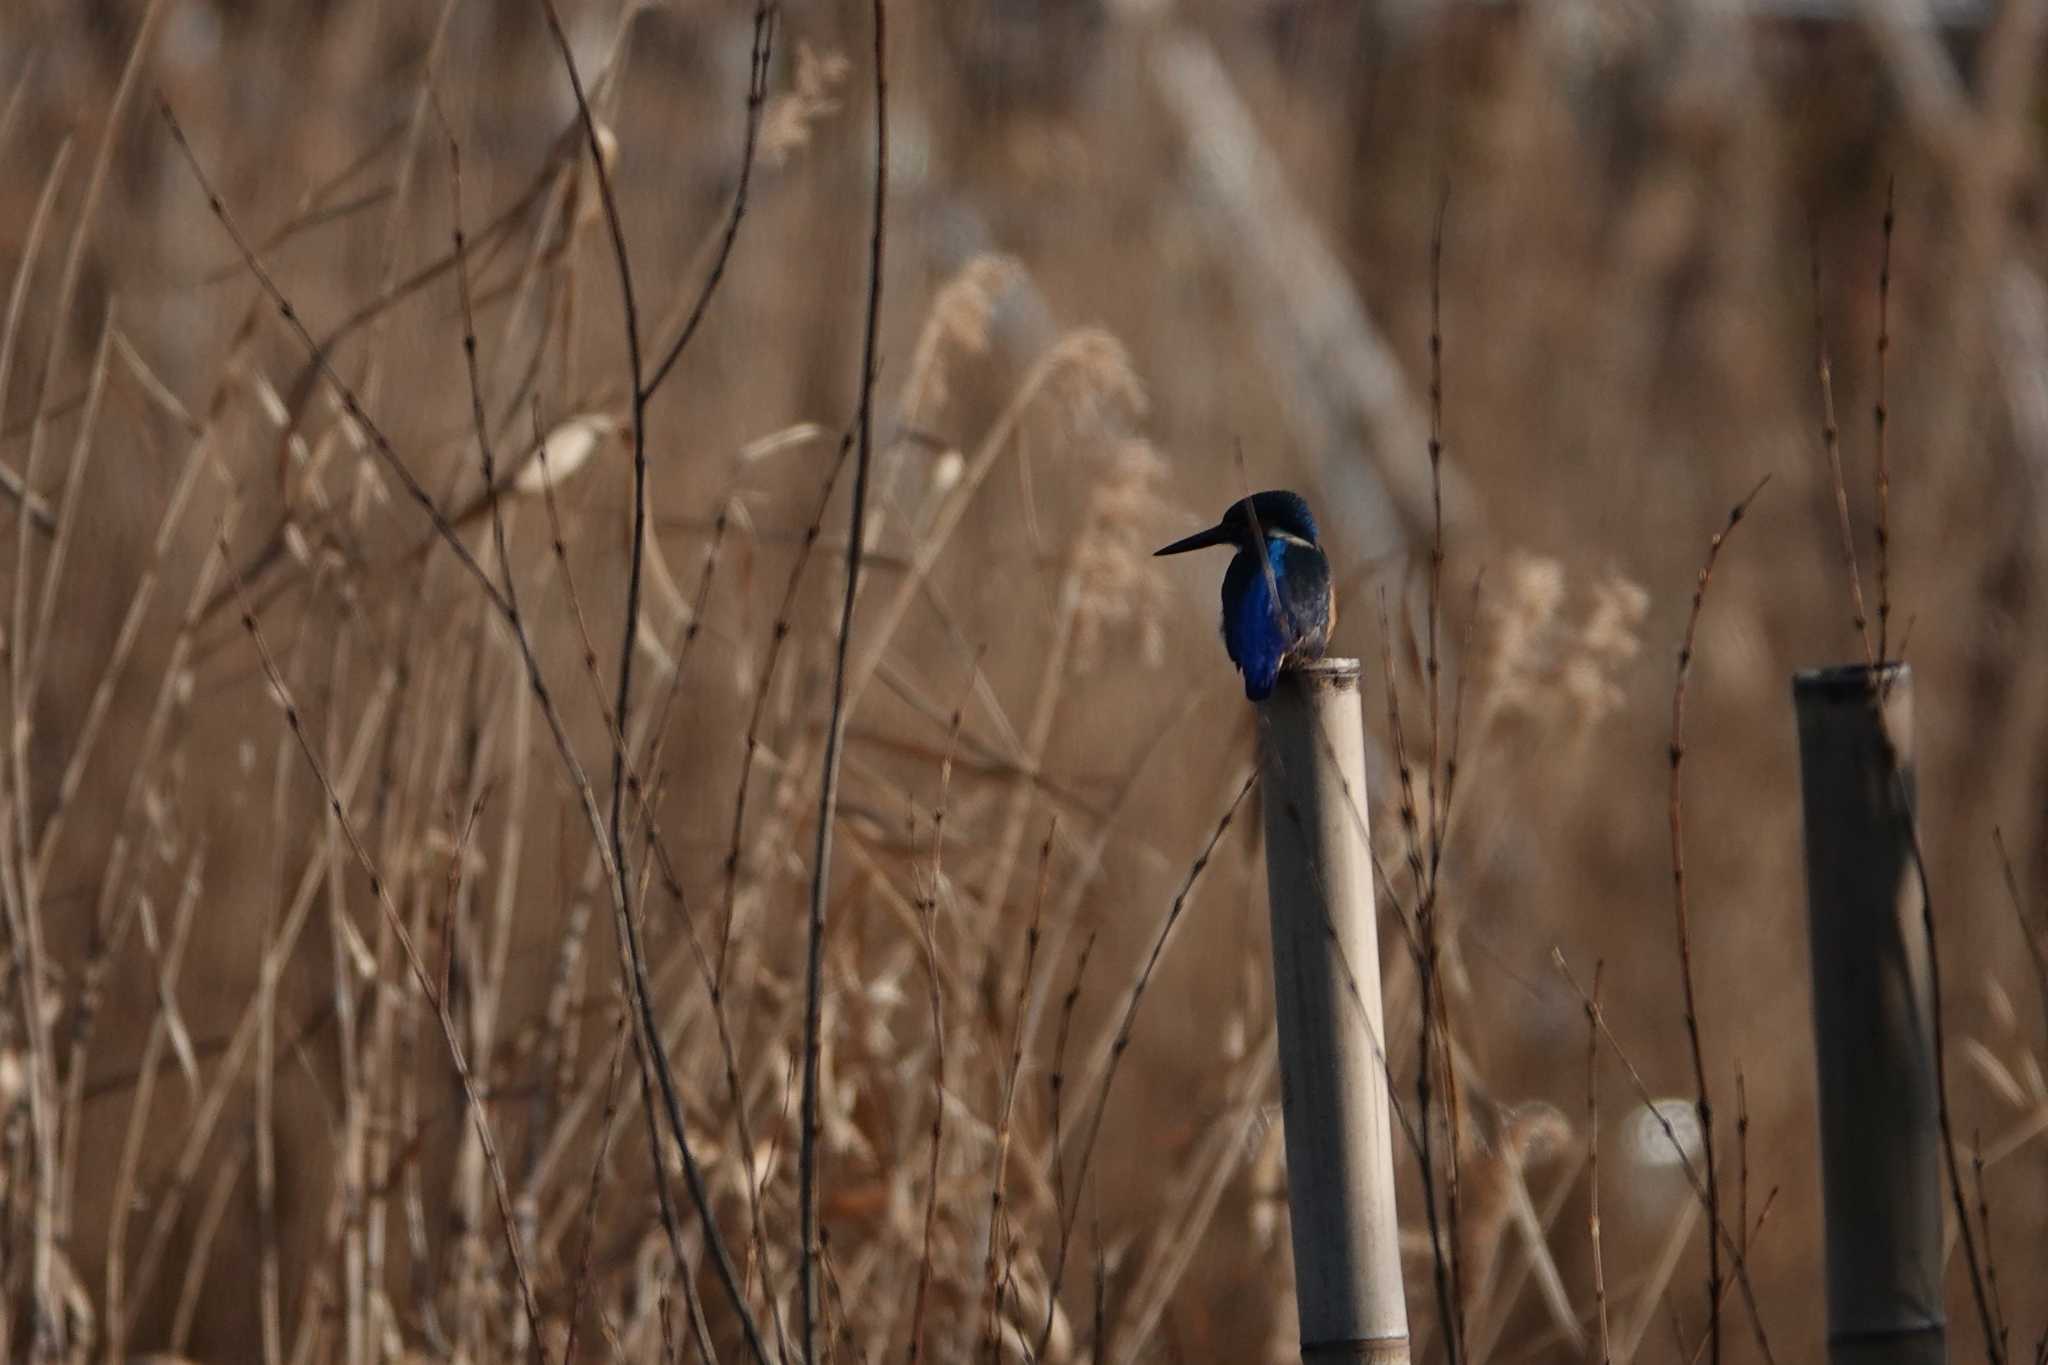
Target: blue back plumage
point(1259, 637)
point(1277, 557)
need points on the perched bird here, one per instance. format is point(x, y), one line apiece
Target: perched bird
point(1279, 605)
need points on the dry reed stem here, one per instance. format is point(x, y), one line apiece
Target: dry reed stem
point(205, 1228)
point(1087, 867)
point(598, 1162)
point(164, 1030)
point(99, 951)
point(1038, 734)
point(390, 1076)
point(17, 882)
point(97, 710)
point(351, 1255)
point(170, 698)
point(269, 1275)
point(1122, 1038)
point(2035, 953)
point(207, 1111)
point(928, 922)
point(83, 230)
point(419, 968)
point(37, 641)
point(1198, 1195)
point(1663, 1268)
point(1497, 1299)
point(999, 1241)
point(345, 1246)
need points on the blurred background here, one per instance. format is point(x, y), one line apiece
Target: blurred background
point(1142, 256)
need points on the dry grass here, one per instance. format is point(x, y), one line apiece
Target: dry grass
point(310, 1017)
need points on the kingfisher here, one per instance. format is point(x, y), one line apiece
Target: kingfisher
point(1279, 605)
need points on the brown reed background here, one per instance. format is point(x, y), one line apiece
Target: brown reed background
point(1075, 346)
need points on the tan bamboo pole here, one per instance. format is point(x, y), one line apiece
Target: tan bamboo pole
point(1873, 1022)
point(1326, 998)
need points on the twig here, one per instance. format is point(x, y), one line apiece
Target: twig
point(1426, 909)
point(1741, 1164)
point(1436, 500)
point(1739, 1266)
point(1702, 1104)
point(1993, 1337)
point(1990, 1256)
point(835, 725)
point(1593, 1166)
point(1056, 1081)
point(1745, 1237)
point(1880, 415)
point(653, 1049)
point(1831, 444)
point(1422, 947)
point(779, 633)
point(761, 58)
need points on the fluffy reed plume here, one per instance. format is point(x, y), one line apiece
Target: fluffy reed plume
point(812, 97)
point(561, 455)
point(1120, 593)
point(957, 325)
point(1543, 666)
point(1607, 642)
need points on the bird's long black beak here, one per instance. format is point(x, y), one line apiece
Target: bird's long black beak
point(1201, 540)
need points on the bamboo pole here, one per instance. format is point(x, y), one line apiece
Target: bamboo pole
point(1326, 999)
point(1873, 1025)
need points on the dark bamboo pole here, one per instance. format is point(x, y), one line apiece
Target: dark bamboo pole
point(1326, 996)
point(1873, 1020)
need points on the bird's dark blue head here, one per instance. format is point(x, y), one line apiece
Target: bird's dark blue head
point(1250, 520)
point(1278, 602)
